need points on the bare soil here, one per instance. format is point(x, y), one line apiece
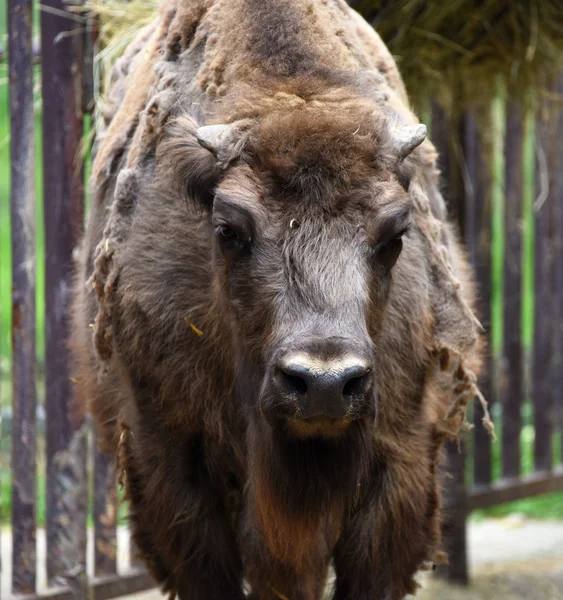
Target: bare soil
point(536, 580)
point(510, 559)
point(541, 580)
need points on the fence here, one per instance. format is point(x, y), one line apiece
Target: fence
point(505, 184)
point(66, 84)
point(491, 219)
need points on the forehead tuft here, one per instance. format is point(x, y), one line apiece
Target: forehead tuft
point(319, 144)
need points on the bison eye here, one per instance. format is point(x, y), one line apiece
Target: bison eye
point(230, 240)
point(227, 233)
point(388, 252)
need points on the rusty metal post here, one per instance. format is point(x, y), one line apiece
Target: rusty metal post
point(22, 207)
point(445, 130)
point(105, 515)
point(455, 511)
point(62, 67)
point(544, 302)
point(512, 393)
point(557, 265)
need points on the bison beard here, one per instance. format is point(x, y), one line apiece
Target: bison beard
point(299, 484)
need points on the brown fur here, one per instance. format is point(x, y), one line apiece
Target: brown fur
point(174, 338)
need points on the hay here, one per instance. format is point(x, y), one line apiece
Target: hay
point(119, 22)
point(456, 51)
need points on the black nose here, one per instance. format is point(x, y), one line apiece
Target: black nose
point(323, 388)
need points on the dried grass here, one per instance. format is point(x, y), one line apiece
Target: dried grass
point(462, 47)
point(119, 22)
point(456, 50)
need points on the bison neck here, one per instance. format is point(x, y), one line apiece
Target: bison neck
point(301, 489)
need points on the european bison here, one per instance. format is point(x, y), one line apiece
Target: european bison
point(275, 335)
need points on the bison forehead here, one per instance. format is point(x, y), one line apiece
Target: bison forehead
point(342, 142)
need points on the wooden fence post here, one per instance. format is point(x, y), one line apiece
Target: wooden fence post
point(478, 242)
point(62, 67)
point(543, 287)
point(455, 508)
point(557, 208)
point(445, 134)
point(22, 206)
point(105, 515)
point(513, 367)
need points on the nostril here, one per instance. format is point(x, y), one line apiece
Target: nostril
point(356, 385)
point(293, 383)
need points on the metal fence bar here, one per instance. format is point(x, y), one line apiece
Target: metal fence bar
point(105, 515)
point(543, 324)
point(453, 473)
point(101, 588)
point(62, 65)
point(478, 241)
point(508, 490)
point(455, 511)
point(22, 206)
point(557, 219)
point(513, 388)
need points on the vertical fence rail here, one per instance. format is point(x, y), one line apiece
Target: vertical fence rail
point(62, 67)
point(557, 264)
point(444, 134)
point(513, 379)
point(22, 205)
point(479, 245)
point(543, 324)
point(105, 515)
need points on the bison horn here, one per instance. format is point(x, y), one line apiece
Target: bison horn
point(407, 138)
point(212, 137)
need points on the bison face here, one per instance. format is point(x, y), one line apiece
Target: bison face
point(305, 280)
point(309, 213)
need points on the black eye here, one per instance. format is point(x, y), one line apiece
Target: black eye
point(391, 247)
point(227, 233)
point(231, 240)
point(388, 252)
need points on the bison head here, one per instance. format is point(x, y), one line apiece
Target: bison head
point(309, 217)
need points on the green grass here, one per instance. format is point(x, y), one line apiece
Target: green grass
point(548, 506)
point(528, 168)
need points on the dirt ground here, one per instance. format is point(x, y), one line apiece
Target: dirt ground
point(536, 580)
point(541, 580)
point(510, 559)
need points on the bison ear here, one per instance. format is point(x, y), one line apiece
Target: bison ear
point(212, 137)
point(406, 138)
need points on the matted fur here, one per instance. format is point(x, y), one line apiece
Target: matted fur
point(174, 339)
